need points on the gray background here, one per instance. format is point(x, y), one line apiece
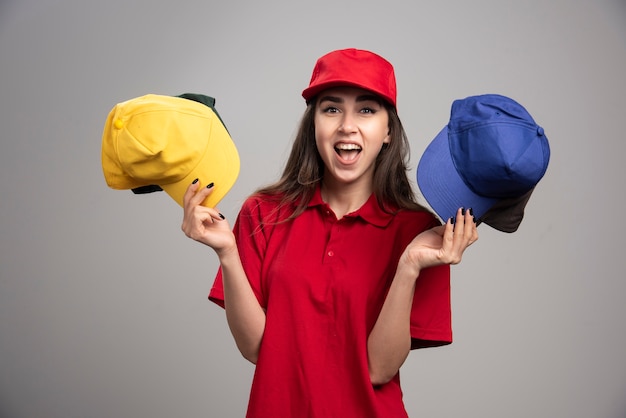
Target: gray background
point(103, 308)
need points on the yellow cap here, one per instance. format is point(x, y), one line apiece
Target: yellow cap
point(168, 141)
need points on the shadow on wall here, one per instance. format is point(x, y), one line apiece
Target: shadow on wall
point(5, 8)
point(619, 7)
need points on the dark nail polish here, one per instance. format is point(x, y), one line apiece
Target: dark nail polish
point(463, 211)
point(471, 212)
point(222, 216)
point(195, 181)
point(208, 186)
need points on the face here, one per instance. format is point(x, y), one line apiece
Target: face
point(351, 126)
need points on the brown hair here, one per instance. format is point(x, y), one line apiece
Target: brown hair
point(305, 169)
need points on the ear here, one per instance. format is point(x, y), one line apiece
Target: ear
point(387, 139)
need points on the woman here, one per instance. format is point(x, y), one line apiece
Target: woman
point(334, 273)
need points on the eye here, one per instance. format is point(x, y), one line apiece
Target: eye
point(368, 110)
point(329, 109)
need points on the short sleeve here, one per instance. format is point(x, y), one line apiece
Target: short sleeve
point(251, 244)
point(431, 316)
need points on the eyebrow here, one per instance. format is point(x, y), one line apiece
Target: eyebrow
point(361, 98)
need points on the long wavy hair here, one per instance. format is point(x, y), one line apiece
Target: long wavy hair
point(304, 169)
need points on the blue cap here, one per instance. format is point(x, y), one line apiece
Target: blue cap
point(491, 152)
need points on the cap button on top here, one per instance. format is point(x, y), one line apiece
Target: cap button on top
point(539, 131)
point(118, 124)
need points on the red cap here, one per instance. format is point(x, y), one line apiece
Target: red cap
point(353, 67)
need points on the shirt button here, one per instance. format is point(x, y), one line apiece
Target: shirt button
point(331, 253)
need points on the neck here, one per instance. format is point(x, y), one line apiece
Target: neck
point(345, 198)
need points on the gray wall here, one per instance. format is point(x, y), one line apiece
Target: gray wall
point(103, 309)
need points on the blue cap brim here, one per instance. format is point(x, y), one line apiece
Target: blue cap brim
point(441, 185)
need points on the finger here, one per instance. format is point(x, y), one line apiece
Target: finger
point(474, 235)
point(470, 227)
point(195, 215)
point(211, 215)
point(448, 234)
point(190, 192)
point(459, 224)
point(462, 232)
point(201, 194)
point(468, 220)
point(199, 219)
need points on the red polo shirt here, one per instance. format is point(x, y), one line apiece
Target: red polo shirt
point(322, 282)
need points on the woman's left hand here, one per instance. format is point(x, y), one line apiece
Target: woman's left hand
point(443, 244)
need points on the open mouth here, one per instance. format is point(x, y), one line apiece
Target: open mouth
point(347, 152)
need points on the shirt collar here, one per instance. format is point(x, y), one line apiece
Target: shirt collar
point(370, 211)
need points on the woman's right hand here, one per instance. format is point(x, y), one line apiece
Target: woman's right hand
point(204, 224)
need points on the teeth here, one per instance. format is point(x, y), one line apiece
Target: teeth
point(348, 147)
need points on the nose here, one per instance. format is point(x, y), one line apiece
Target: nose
point(347, 124)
